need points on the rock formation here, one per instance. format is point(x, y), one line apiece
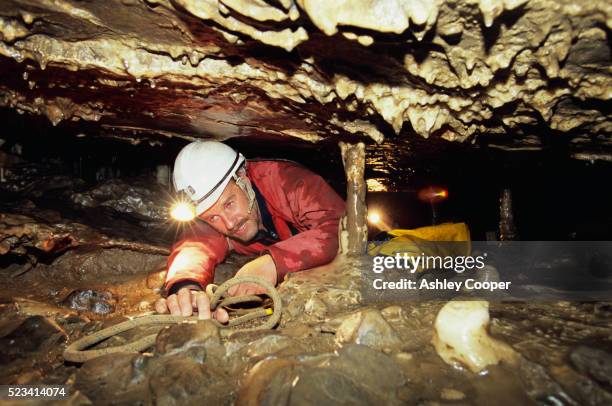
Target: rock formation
point(461, 336)
point(510, 74)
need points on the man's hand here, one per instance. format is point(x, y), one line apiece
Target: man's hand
point(186, 301)
point(262, 267)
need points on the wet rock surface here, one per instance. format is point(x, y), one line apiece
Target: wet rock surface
point(29, 335)
point(90, 301)
point(199, 340)
point(122, 372)
point(350, 353)
point(368, 327)
point(593, 362)
point(132, 196)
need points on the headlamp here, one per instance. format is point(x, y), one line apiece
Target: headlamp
point(183, 209)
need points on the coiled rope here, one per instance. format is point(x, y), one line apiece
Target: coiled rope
point(76, 352)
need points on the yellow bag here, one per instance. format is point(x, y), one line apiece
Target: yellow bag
point(426, 240)
point(440, 232)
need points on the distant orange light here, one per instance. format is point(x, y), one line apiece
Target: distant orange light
point(432, 194)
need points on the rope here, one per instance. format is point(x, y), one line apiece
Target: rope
point(76, 352)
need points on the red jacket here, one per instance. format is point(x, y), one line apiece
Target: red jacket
point(294, 196)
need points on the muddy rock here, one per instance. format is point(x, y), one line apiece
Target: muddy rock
point(254, 389)
point(131, 196)
point(29, 307)
point(156, 279)
point(114, 376)
point(19, 233)
point(326, 386)
point(33, 334)
point(283, 381)
point(375, 371)
point(346, 378)
point(593, 362)
point(589, 392)
point(179, 380)
point(451, 394)
point(26, 234)
point(200, 340)
point(34, 180)
point(269, 344)
point(86, 266)
point(309, 295)
point(393, 314)
point(357, 375)
point(315, 307)
point(540, 385)
point(368, 327)
point(73, 323)
point(77, 398)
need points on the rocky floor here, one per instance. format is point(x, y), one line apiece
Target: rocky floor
point(63, 280)
point(386, 355)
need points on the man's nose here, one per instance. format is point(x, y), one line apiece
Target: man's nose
point(229, 222)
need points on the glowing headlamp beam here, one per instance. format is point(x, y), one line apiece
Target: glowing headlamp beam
point(374, 217)
point(183, 211)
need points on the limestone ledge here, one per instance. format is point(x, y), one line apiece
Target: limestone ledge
point(455, 69)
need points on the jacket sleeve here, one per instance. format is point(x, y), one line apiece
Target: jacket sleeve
point(195, 256)
point(316, 207)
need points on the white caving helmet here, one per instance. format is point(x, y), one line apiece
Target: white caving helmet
point(202, 170)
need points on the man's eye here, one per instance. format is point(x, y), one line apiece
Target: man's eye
point(229, 204)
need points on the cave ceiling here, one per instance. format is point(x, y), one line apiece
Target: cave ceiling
point(511, 74)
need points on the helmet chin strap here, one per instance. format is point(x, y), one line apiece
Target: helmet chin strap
point(246, 187)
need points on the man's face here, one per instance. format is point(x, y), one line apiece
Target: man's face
point(229, 215)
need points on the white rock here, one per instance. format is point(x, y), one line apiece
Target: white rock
point(461, 336)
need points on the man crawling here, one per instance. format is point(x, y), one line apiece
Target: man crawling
point(278, 211)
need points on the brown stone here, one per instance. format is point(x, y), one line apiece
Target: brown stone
point(179, 380)
point(201, 338)
point(369, 328)
point(114, 376)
